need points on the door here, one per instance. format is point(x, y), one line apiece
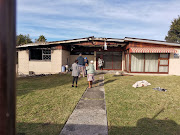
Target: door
point(107, 57)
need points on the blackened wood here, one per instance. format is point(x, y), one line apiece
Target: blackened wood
point(7, 66)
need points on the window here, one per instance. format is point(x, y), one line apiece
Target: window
point(40, 54)
point(149, 62)
point(35, 54)
point(164, 62)
point(137, 62)
point(162, 55)
point(127, 62)
point(46, 54)
point(163, 68)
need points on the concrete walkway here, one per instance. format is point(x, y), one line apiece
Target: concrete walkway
point(89, 117)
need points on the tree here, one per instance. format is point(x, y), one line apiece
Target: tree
point(174, 32)
point(23, 39)
point(41, 39)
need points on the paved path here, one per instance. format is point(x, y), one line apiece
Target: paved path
point(89, 117)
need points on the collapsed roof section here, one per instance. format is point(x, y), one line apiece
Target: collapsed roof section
point(97, 42)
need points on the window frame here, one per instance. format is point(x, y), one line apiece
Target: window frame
point(158, 64)
point(42, 54)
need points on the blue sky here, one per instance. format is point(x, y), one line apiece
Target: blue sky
point(69, 19)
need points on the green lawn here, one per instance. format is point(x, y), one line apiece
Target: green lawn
point(143, 111)
point(45, 103)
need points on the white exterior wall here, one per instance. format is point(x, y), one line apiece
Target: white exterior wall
point(47, 67)
point(174, 64)
point(123, 61)
point(95, 60)
point(23, 62)
point(40, 67)
point(58, 57)
point(56, 61)
point(65, 57)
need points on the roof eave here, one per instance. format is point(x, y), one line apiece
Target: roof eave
point(32, 45)
point(151, 41)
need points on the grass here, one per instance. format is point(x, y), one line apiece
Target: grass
point(143, 111)
point(45, 103)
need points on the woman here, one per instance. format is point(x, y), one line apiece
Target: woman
point(75, 72)
point(90, 72)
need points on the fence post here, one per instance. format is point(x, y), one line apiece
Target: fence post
point(7, 67)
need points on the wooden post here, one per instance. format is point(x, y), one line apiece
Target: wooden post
point(7, 66)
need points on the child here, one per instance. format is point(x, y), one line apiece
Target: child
point(75, 73)
point(100, 63)
point(90, 72)
point(86, 63)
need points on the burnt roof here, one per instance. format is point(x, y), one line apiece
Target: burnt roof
point(92, 38)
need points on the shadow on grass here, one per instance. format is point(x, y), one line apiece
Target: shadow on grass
point(98, 81)
point(38, 128)
point(109, 81)
point(144, 126)
point(121, 75)
point(30, 84)
point(100, 73)
point(147, 126)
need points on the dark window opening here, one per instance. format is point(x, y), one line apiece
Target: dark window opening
point(40, 54)
point(16, 57)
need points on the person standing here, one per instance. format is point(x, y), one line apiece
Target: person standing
point(100, 63)
point(90, 73)
point(81, 64)
point(86, 63)
point(75, 73)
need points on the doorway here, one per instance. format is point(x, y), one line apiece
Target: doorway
point(112, 60)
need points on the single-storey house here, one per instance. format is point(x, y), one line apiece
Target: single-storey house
point(132, 55)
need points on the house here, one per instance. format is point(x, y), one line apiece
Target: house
point(132, 55)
